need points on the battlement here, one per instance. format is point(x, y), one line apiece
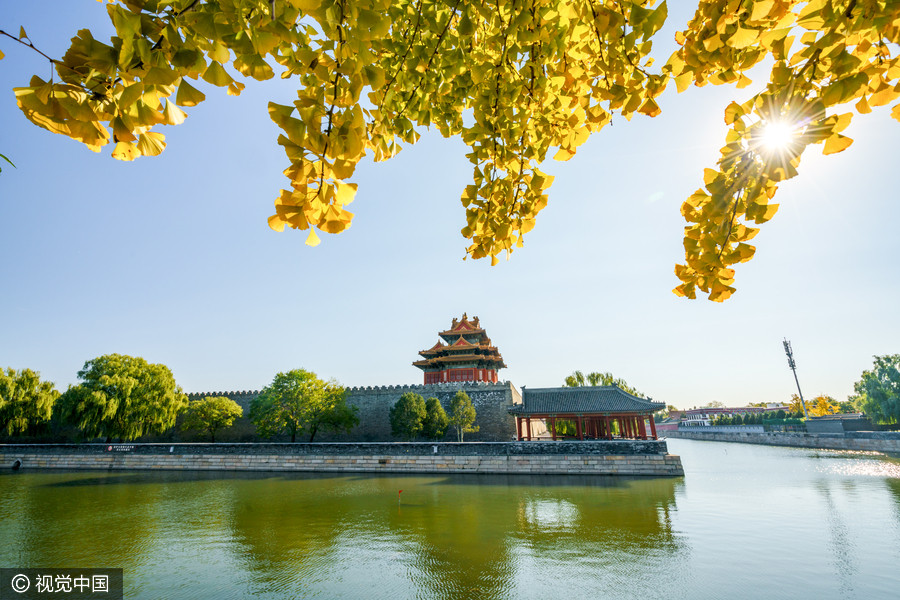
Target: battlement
point(196, 395)
point(416, 387)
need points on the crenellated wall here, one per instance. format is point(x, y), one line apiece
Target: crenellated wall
point(374, 404)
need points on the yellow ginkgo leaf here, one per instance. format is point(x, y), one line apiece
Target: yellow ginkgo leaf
point(125, 151)
point(344, 192)
point(743, 37)
point(836, 143)
point(173, 115)
point(188, 95)
point(563, 155)
point(312, 240)
point(216, 75)
point(276, 223)
point(649, 108)
point(151, 143)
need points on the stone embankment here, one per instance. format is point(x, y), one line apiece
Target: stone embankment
point(625, 457)
point(868, 441)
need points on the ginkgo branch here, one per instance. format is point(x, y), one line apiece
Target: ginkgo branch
point(402, 59)
point(430, 60)
point(29, 45)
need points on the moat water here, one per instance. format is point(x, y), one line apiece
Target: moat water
point(745, 522)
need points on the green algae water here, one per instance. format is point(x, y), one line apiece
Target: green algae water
point(745, 522)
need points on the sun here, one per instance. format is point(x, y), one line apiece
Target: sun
point(777, 136)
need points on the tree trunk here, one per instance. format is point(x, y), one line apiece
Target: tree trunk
point(293, 435)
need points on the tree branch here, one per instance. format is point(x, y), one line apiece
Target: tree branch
point(29, 45)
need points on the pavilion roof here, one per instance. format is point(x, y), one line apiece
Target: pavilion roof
point(582, 400)
point(466, 341)
point(463, 327)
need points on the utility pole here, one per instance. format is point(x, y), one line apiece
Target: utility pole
point(793, 366)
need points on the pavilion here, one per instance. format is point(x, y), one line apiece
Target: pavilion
point(468, 355)
point(598, 412)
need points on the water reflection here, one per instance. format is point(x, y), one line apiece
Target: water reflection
point(840, 543)
point(297, 536)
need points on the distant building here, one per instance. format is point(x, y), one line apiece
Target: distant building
point(703, 417)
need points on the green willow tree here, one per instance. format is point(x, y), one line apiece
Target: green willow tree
point(878, 390)
point(298, 402)
point(462, 415)
point(578, 379)
point(122, 397)
point(408, 415)
point(534, 78)
point(435, 424)
point(211, 414)
point(25, 400)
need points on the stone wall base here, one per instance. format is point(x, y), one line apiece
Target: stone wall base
point(660, 465)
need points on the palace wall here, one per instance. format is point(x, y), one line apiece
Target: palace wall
point(374, 404)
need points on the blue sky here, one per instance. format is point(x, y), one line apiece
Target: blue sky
point(170, 258)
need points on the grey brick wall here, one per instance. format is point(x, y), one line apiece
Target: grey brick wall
point(374, 404)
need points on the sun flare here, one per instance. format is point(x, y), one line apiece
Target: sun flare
point(777, 135)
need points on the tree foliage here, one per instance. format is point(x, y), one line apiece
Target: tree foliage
point(408, 415)
point(210, 414)
point(122, 397)
point(298, 402)
point(435, 424)
point(823, 405)
point(25, 400)
point(796, 406)
point(578, 379)
point(878, 390)
point(462, 415)
point(532, 77)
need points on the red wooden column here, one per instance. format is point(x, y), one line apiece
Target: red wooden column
point(519, 428)
point(653, 428)
point(528, 426)
point(642, 427)
point(553, 427)
point(578, 431)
